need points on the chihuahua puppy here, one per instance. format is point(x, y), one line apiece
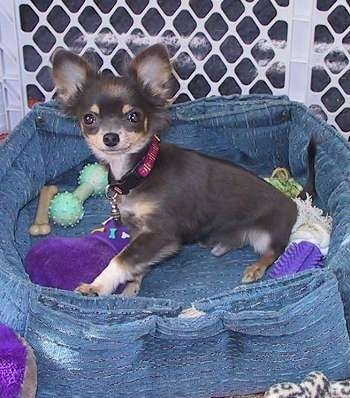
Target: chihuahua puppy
point(186, 196)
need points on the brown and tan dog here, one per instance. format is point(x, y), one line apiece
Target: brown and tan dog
point(187, 196)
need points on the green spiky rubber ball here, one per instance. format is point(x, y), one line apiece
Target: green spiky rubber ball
point(66, 208)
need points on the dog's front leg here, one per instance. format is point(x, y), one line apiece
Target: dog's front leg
point(132, 288)
point(146, 249)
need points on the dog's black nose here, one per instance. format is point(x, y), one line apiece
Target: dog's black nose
point(111, 139)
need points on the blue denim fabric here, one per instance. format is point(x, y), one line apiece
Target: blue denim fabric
point(251, 336)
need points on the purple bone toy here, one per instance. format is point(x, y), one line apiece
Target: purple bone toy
point(18, 373)
point(64, 263)
point(297, 257)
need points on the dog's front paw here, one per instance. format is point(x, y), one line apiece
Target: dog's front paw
point(89, 289)
point(220, 249)
point(253, 273)
point(204, 245)
point(131, 289)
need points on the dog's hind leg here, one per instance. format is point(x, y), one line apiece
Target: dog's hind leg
point(257, 270)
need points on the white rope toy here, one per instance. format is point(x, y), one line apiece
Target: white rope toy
point(311, 225)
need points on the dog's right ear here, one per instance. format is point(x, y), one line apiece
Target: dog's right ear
point(70, 73)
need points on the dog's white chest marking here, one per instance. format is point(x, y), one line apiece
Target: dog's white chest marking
point(120, 166)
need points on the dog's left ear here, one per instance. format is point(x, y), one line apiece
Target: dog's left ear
point(152, 70)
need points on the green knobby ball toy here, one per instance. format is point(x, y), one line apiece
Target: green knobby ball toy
point(67, 208)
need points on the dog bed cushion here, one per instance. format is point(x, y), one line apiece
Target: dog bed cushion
point(194, 331)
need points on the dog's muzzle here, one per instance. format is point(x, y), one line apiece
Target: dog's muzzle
point(111, 139)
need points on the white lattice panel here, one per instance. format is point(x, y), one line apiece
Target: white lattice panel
point(329, 63)
point(11, 96)
point(217, 47)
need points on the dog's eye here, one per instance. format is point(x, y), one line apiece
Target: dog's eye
point(133, 117)
point(89, 119)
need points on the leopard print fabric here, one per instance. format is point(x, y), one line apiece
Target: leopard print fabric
point(316, 385)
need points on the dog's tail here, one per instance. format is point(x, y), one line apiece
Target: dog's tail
point(309, 187)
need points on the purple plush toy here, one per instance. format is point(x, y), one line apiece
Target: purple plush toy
point(297, 257)
point(64, 263)
point(18, 371)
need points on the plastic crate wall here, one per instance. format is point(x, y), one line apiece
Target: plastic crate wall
point(294, 47)
point(12, 105)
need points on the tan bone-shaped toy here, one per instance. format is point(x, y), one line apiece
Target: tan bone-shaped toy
point(41, 224)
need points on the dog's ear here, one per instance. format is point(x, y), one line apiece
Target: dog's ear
point(70, 73)
point(152, 70)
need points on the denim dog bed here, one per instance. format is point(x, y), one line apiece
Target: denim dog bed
point(247, 337)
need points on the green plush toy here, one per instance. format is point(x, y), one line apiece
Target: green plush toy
point(67, 208)
point(282, 180)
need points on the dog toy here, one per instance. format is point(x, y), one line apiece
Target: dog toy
point(315, 385)
point(18, 370)
point(282, 180)
point(311, 225)
point(297, 257)
point(64, 263)
point(309, 241)
point(66, 208)
point(41, 224)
